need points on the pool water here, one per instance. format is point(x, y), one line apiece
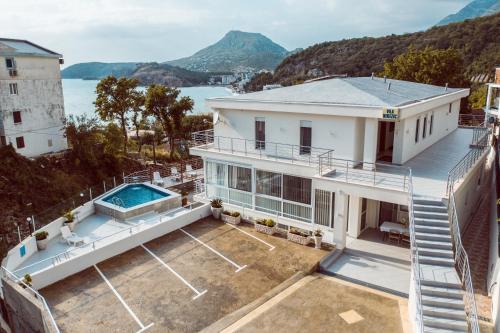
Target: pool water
point(133, 195)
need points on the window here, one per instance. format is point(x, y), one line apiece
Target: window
point(297, 189)
point(17, 117)
point(49, 143)
point(424, 130)
point(216, 173)
point(268, 183)
point(364, 204)
point(240, 178)
point(13, 88)
point(260, 133)
point(449, 108)
point(431, 124)
point(20, 142)
point(305, 137)
point(10, 63)
point(324, 208)
point(417, 130)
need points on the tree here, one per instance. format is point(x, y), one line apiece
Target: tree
point(477, 97)
point(116, 98)
point(162, 103)
point(429, 65)
point(83, 135)
point(138, 119)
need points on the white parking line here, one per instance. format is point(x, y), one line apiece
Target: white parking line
point(239, 268)
point(198, 293)
point(143, 328)
point(271, 247)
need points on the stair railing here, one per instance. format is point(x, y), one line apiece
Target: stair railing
point(463, 268)
point(414, 258)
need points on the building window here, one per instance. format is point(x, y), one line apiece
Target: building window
point(240, 178)
point(49, 143)
point(17, 117)
point(20, 142)
point(417, 130)
point(324, 208)
point(305, 137)
point(449, 108)
point(431, 124)
point(424, 130)
point(268, 183)
point(10, 63)
point(216, 173)
point(260, 133)
point(297, 189)
point(364, 205)
point(13, 88)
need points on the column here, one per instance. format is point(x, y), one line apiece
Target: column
point(370, 144)
point(340, 230)
point(354, 214)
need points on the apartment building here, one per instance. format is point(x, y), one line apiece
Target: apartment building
point(31, 98)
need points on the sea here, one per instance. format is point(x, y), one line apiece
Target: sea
point(79, 96)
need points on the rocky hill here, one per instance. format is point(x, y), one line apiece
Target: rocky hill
point(476, 8)
point(98, 70)
point(168, 75)
point(236, 50)
point(477, 40)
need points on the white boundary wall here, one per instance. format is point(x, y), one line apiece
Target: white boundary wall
point(62, 270)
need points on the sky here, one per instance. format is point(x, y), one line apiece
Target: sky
point(160, 30)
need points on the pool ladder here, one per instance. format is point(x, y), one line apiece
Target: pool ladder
point(117, 202)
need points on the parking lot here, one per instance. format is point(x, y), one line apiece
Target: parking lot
point(181, 282)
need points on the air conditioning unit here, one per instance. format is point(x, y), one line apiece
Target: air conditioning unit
point(13, 72)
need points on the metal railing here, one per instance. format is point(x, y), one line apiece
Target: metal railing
point(373, 174)
point(414, 257)
point(11, 276)
point(467, 162)
point(478, 135)
point(184, 170)
point(470, 120)
point(463, 268)
point(283, 152)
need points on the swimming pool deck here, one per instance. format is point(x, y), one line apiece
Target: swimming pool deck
point(97, 228)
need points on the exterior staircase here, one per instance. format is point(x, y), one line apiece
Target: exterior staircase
point(443, 307)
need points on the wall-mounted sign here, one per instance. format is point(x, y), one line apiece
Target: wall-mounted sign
point(390, 114)
point(22, 251)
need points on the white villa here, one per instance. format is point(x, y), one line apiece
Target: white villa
point(31, 98)
point(355, 157)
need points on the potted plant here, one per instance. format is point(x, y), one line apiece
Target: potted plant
point(70, 220)
point(318, 237)
point(26, 281)
point(231, 217)
point(298, 236)
point(41, 239)
point(266, 226)
point(216, 206)
point(184, 195)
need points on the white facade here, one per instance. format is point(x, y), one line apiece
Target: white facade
point(31, 99)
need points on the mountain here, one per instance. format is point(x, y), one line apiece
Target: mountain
point(98, 70)
point(236, 50)
point(169, 75)
point(478, 42)
point(476, 8)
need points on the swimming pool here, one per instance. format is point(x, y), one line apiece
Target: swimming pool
point(131, 200)
point(135, 194)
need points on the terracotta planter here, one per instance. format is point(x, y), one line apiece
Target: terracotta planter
point(231, 219)
point(302, 240)
point(42, 244)
point(184, 201)
point(216, 212)
point(71, 225)
point(317, 241)
point(265, 229)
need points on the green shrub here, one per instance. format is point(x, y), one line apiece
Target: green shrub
point(299, 232)
point(216, 203)
point(226, 212)
point(41, 235)
point(69, 216)
point(235, 214)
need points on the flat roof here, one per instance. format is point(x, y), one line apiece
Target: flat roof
point(362, 91)
point(21, 47)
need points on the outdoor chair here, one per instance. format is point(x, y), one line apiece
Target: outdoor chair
point(394, 236)
point(157, 180)
point(70, 237)
point(405, 238)
point(174, 173)
point(190, 172)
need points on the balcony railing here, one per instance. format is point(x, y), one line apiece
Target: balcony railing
point(282, 152)
point(470, 120)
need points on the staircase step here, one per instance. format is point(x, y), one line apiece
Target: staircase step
point(433, 237)
point(431, 222)
point(418, 200)
point(430, 208)
point(433, 229)
point(433, 252)
point(437, 261)
point(454, 324)
point(428, 329)
point(431, 215)
point(441, 292)
point(443, 312)
point(423, 243)
point(454, 303)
